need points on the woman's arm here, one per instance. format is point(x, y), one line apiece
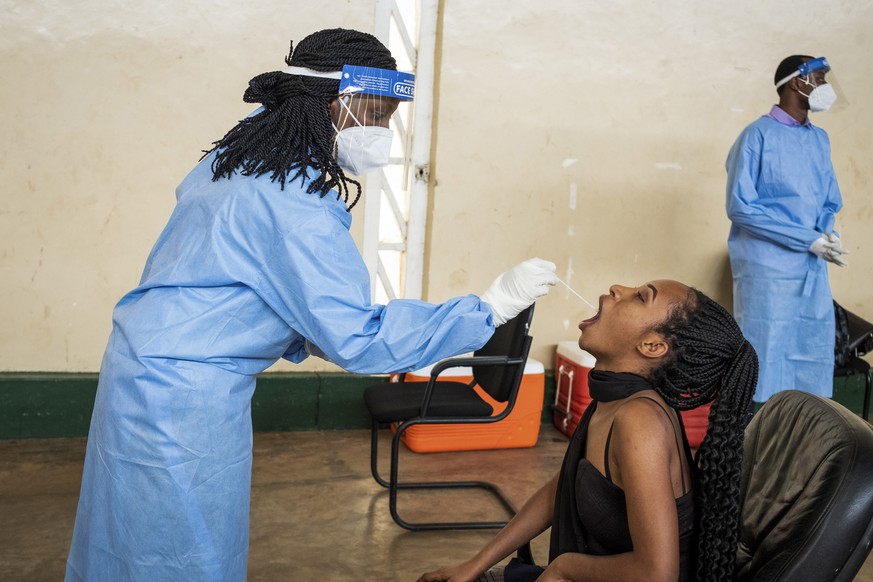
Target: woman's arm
point(643, 443)
point(533, 519)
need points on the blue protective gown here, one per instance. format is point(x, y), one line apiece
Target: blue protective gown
point(782, 194)
point(240, 276)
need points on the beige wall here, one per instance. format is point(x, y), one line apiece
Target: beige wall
point(107, 106)
point(635, 103)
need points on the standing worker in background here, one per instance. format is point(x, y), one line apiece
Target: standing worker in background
point(782, 198)
point(255, 264)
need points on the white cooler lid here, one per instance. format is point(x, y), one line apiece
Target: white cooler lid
point(571, 350)
point(532, 366)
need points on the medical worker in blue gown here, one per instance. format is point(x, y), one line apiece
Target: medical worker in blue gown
point(782, 198)
point(256, 264)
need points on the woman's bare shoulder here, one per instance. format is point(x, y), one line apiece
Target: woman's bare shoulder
point(643, 418)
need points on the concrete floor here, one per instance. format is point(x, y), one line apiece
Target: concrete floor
point(316, 512)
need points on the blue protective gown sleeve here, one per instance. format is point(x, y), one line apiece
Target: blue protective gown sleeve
point(780, 213)
point(293, 250)
point(302, 283)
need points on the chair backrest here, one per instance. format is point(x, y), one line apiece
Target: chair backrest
point(807, 491)
point(511, 340)
point(854, 336)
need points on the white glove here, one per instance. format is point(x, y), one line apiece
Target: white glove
point(516, 289)
point(830, 248)
point(834, 239)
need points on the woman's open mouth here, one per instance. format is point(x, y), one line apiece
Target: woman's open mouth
point(595, 317)
point(592, 319)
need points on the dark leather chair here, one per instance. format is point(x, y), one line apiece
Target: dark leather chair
point(497, 367)
point(807, 492)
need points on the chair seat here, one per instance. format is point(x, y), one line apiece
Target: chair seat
point(399, 401)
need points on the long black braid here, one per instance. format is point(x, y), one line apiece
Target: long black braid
point(294, 131)
point(711, 361)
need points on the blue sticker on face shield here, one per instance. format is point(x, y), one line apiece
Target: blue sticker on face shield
point(814, 65)
point(373, 81)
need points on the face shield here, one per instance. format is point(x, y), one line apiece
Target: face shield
point(367, 99)
point(820, 86)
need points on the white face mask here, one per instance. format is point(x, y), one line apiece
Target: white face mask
point(362, 148)
point(821, 98)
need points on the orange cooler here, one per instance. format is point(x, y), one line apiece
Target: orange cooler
point(519, 429)
point(572, 397)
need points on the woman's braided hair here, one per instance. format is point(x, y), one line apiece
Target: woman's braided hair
point(711, 361)
point(294, 130)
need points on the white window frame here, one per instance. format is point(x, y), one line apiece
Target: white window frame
point(396, 197)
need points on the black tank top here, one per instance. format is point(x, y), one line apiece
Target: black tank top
point(590, 510)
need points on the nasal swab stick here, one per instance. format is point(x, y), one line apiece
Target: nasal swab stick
point(585, 301)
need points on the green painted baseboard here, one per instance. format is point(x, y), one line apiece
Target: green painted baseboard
point(42, 405)
point(59, 405)
point(849, 391)
point(46, 405)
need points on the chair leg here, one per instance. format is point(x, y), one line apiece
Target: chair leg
point(868, 385)
point(395, 486)
point(374, 455)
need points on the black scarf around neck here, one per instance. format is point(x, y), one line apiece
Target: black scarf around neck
point(607, 386)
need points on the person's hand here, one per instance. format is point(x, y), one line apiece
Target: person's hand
point(830, 248)
point(834, 239)
point(516, 289)
point(463, 572)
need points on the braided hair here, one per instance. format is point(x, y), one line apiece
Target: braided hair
point(294, 131)
point(711, 361)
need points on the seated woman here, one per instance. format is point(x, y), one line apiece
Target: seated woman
point(629, 502)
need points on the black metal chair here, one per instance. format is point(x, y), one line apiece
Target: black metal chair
point(807, 503)
point(497, 368)
point(854, 339)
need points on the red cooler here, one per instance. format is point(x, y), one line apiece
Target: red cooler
point(572, 365)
